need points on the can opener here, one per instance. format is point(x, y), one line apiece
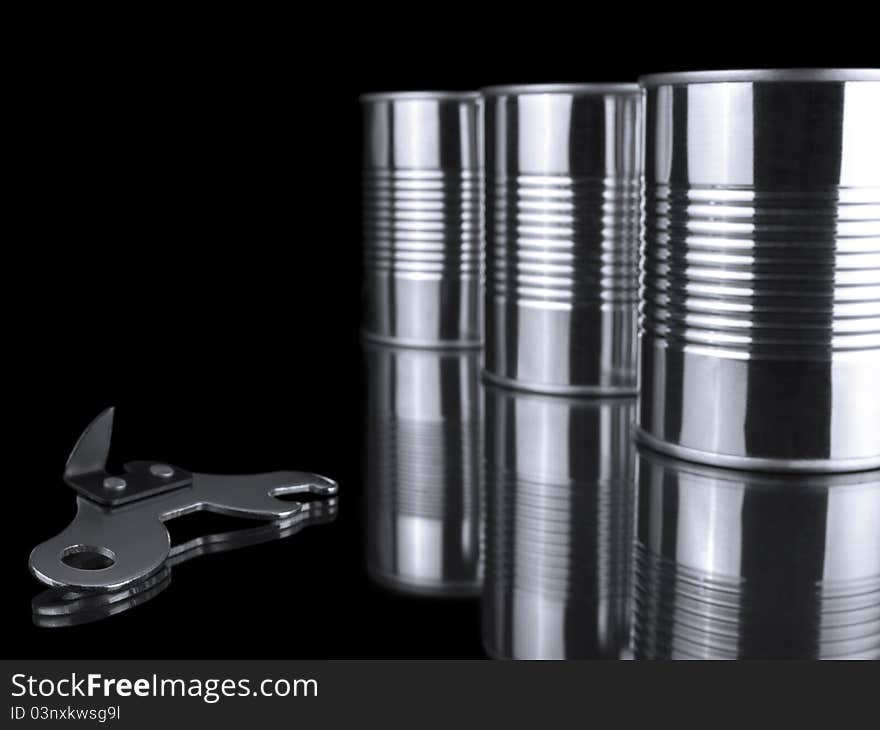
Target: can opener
point(118, 538)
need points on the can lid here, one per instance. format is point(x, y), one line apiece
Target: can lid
point(419, 95)
point(765, 75)
point(584, 89)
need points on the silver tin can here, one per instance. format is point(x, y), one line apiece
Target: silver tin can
point(559, 514)
point(744, 565)
point(422, 207)
point(423, 456)
point(563, 166)
point(760, 299)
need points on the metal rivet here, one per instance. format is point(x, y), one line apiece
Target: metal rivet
point(162, 470)
point(114, 483)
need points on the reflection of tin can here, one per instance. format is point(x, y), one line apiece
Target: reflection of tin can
point(422, 198)
point(559, 496)
point(745, 565)
point(423, 460)
point(760, 311)
point(563, 168)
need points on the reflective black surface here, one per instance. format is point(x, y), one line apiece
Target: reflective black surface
point(422, 470)
point(558, 526)
point(740, 565)
point(191, 255)
point(591, 551)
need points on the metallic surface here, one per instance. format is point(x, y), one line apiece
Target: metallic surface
point(61, 606)
point(111, 547)
point(134, 537)
point(760, 298)
point(422, 462)
point(790, 75)
point(742, 565)
point(422, 206)
point(559, 514)
point(114, 483)
point(85, 470)
point(162, 470)
point(563, 167)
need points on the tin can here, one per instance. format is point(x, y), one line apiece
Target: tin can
point(563, 167)
point(422, 207)
point(760, 299)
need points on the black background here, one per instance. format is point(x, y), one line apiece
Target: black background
point(187, 248)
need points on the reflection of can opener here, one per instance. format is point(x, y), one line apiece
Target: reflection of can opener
point(118, 538)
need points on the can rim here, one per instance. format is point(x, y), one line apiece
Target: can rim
point(791, 75)
point(425, 94)
point(591, 88)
